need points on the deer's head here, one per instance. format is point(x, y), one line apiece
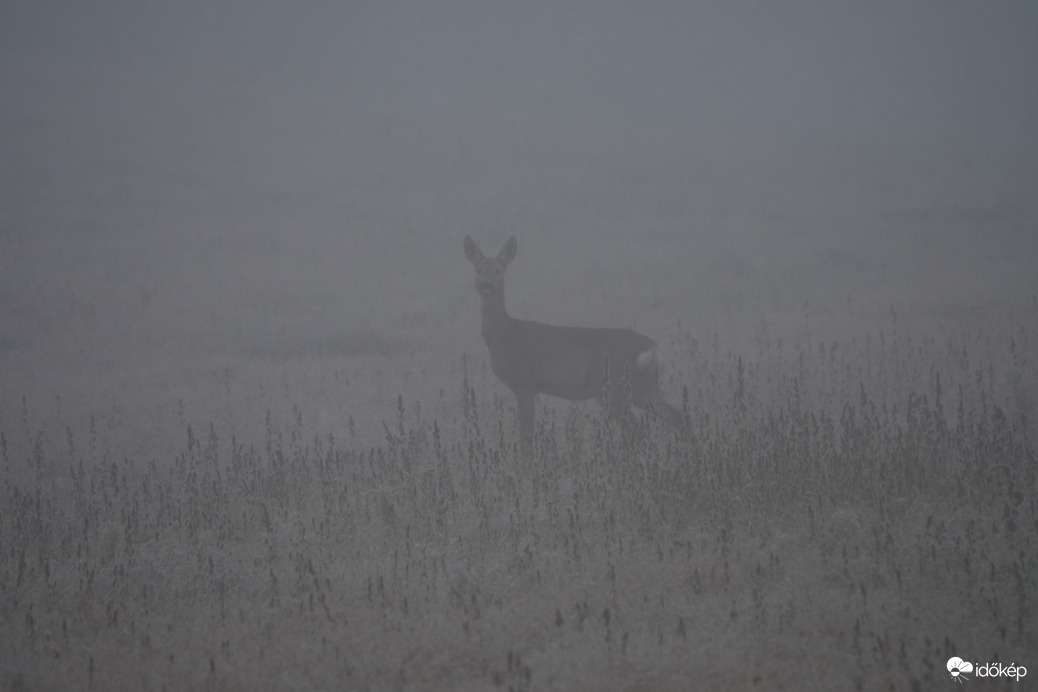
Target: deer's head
point(490, 271)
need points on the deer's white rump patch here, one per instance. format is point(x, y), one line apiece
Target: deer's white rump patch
point(646, 359)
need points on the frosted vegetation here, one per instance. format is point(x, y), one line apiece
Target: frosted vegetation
point(249, 434)
point(301, 496)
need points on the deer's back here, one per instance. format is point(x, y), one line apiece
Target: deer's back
point(568, 362)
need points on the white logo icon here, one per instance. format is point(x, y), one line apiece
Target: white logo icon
point(958, 668)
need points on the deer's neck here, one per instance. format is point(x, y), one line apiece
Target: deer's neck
point(495, 320)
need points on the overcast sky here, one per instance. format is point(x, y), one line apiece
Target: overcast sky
point(674, 72)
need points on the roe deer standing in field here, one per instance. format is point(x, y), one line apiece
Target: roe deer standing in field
point(574, 363)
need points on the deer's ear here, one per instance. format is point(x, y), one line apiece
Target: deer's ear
point(472, 251)
point(508, 252)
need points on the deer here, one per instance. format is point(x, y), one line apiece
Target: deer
point(619, 367)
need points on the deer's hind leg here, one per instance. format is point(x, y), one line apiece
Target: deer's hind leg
point(662, 408)
point(645, 391)
point(618, 393)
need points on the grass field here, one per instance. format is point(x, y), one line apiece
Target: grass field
point(280, 500)
point(845, 516)
point(249, 434)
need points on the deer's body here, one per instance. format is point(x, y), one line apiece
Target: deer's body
point(572, 363)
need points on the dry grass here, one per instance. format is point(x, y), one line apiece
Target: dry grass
point(841, 516)
point(230, 241)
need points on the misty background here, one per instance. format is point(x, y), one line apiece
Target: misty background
point(213, 210)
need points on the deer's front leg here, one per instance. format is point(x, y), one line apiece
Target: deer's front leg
point(526, 401)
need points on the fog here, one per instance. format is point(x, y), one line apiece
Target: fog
point(174, 171)
point(673, 76)
point(244, 214)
